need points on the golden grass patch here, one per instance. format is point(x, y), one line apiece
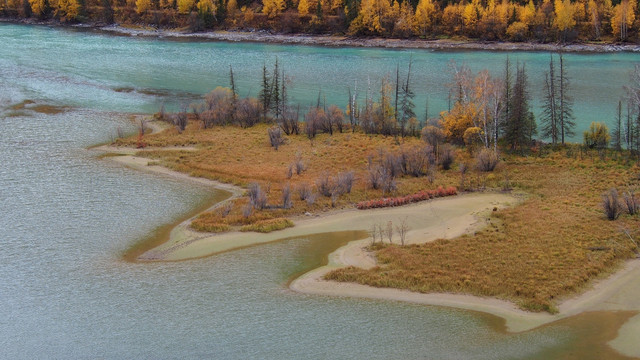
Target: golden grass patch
point(548, 247)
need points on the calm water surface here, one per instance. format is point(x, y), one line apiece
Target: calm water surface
point(66, 217)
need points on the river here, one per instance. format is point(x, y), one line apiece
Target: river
point(67, 216)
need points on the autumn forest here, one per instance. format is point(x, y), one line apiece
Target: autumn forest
point(539, 21)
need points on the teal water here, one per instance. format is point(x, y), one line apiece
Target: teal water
point(66, 216)
point(84, 69)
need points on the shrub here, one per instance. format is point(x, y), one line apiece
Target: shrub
point(247, 210)
point(432, 135)
point(275, 137)
point(404, 200)
point(289, 121)
point(257, 197)
point(323, 183)
point(226, 209)
point(597, 136)
point(344, 182)
point(486, 160)
point(391, 164)
point(267, 226)
point(299, 165)
point(180, 120)
point(446, 158)
point(374, 177)
point(304, 191)
point(311, 199)
point(286, 197)
point(247, 112)
point(212, 228)
point(416, 161)
point(388, 183)
point(631, 203)
point(611, 204)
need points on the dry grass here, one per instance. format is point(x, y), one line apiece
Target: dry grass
point(532, 254)
point(267, 226)
point(243, 156)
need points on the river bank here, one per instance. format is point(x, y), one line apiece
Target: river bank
point(262, 36)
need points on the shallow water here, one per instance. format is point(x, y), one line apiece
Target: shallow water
point(67, 217)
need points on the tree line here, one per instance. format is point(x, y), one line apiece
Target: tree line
point(515, 20)
point(485, 111)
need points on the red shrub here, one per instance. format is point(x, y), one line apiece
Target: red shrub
point(403, 200)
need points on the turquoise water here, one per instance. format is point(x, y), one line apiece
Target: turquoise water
point(84, 69)
point(66, 216)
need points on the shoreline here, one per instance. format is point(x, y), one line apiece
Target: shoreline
point(617, 292)
point(338, 41)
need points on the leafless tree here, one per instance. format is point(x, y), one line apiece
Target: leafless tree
point(286, 197)
point(611, 204)
point(323, 183)
point(304, 191)
point(257, 197)
point(226, 209)
point(402, 230)
point(631, 203)
point(389, 231)
point(344, 182)
point(275, 137)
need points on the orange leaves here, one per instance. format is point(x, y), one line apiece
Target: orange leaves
point(457, 121)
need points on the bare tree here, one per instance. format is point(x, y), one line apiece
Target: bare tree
point(286, 197)
point(323, 183)
point(304, 191)
point(402, 230)
point(631, 203)
point(611, 204)
point(275, 137)
point(389, 231)
point(257, 197)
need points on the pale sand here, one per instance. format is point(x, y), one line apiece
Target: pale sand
point(440, 218)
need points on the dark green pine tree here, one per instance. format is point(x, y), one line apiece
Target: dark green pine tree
point(265, 92)
point(275, 91)
point(521, 124)
point(550, 109)
point(565, 104)
point(406, 103)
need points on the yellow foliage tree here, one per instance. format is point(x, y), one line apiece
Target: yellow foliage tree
point(404, 20)
point(565, 12)
point(186, 6)
point(527, 13)
point(470, 16)
point(206, 7)
point(303, 7)
point(273, 7)
point(371, 16)
point(424, 17)
point(623, 18)
point(456, 122)
point(452, 18)
point(142, 6)
point(38, 7)
point(232, 8)
point(69, 9)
